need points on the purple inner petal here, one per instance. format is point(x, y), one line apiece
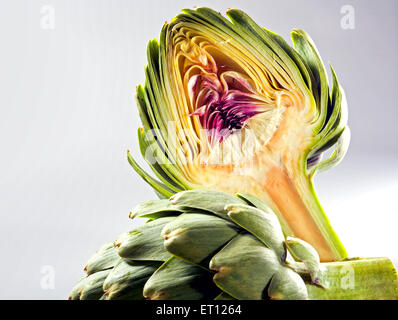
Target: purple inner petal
point(223, 111)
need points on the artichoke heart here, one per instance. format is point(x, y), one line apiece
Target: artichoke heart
point(228, 105)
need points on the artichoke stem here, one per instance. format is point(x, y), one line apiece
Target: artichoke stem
point(357, 279)
point(301, 215)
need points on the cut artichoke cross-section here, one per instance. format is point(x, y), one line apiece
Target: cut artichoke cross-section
point(230, 106)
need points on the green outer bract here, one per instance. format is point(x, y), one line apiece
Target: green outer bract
point(222, 254)
point(304, 252)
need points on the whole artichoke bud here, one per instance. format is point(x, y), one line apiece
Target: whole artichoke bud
point(204, 245)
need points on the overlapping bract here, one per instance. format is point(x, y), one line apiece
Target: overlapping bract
point(208, 72)
point(198, 245)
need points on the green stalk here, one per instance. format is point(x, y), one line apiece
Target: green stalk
point(294, 200)
point(357, 279)
point(308, 195)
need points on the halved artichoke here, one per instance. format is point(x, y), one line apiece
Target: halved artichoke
point(230, 106)
point(211, 245)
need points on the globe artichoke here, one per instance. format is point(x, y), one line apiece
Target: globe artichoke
point(211, 245)
point(230, 106)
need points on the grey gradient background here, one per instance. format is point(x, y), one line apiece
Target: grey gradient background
point(68, 116)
